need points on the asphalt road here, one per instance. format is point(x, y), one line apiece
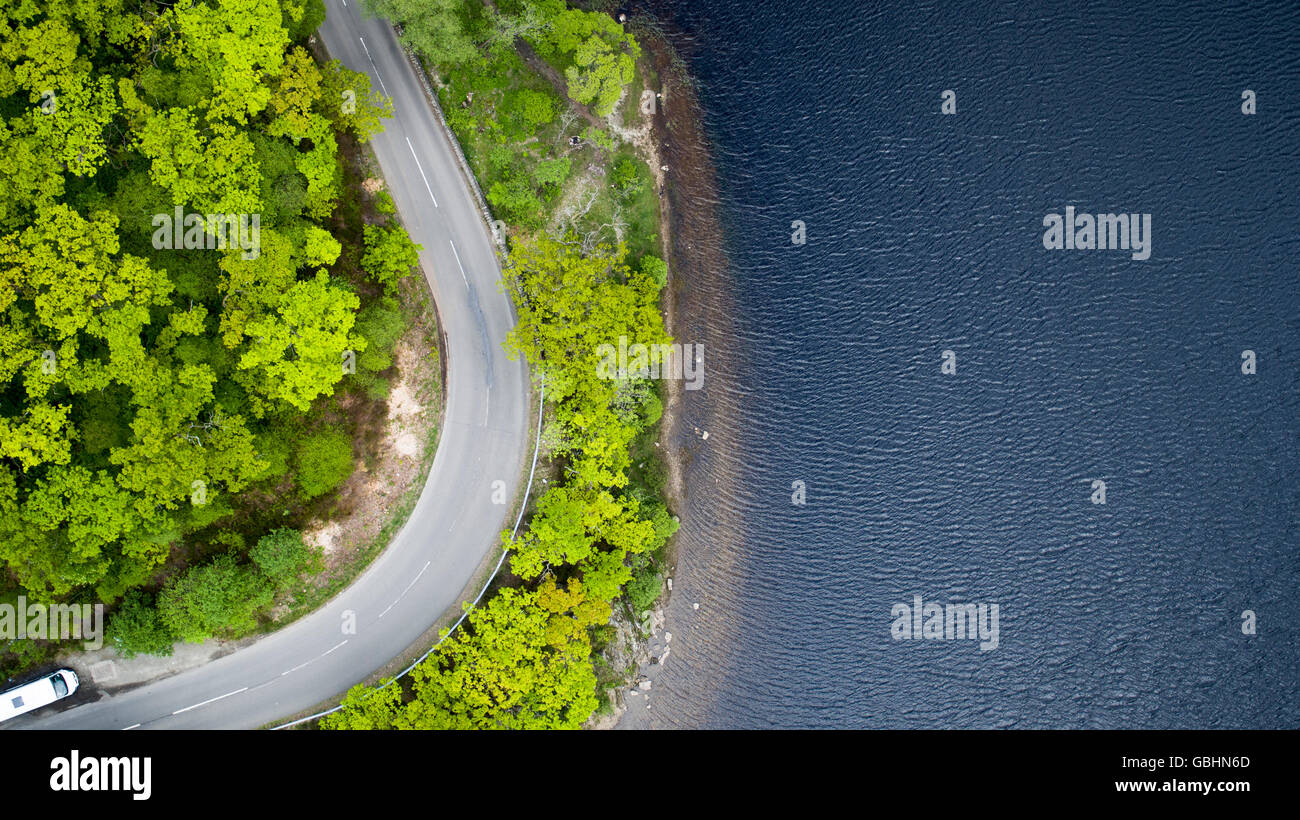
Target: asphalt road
point(455, 524)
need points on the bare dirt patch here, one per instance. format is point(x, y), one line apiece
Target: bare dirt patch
point(373, 499)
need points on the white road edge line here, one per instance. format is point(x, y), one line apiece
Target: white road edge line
point(422, 176)
point(210, 700)
point(375, 67)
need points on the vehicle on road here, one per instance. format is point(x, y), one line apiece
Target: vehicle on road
point(38, 693)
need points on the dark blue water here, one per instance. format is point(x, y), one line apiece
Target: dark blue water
point(924, 233)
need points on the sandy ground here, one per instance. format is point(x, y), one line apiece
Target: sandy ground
point(370, 493)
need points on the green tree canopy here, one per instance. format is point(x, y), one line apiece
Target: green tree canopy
point(140, 377)
point(220, 598)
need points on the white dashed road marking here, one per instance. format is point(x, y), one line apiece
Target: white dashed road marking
point(408, 589)
point(458, 264)
point(422, 176)
point(375, 67)
point(296, 668)
point(210, 700)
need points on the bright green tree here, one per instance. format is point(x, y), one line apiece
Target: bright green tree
point(365, 708)
point(390, 254)
point(297, 354)
point(442, 30)
point(323, 461)
point(282, 555)
point(137, 628)
point(221, 599)
point(505, 671)
point(599, 73)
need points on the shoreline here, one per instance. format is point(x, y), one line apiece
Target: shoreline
point(697, 430)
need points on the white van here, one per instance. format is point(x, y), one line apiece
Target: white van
point(38, 693)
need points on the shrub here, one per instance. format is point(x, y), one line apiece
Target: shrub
point(323, 461)
point(375, 359)
point(288, 195)
point(526, 110)
point(217, 599)
point(375, 387)
point(313, 15)
point(655, 476)
point(382, 323)
point(552, 171)
point(21, 656)
point(275, 448)
point(229, 539)
point(644, 588)
point(197, 516)
point(282, 556)
point(665, 524)
point(515, 201)
point(651, 411)
point(501, 158)
point(602, 635)
point(656, 269)
point(626, 177)
point(390, 254)
point(137, 628)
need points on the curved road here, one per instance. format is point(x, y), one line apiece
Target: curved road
point(454, 524)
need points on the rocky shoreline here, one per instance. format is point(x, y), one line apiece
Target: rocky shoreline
point(696, 310)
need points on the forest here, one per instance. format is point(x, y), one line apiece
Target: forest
point(155, 394)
